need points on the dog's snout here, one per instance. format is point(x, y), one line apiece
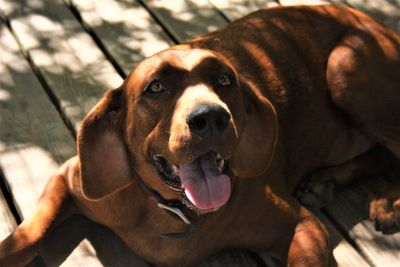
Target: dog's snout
point(208, 120)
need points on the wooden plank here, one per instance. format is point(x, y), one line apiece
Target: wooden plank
point(312, 2)
point(7, 221)
point(127, 30)
point(350, 212)
point(186, 19)
point(33, 138)
point(66, 56)
point(235, 9)
point(385, 11)
point(343, 252)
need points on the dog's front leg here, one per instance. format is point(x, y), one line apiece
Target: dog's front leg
point(21, 246)
point(309, 246)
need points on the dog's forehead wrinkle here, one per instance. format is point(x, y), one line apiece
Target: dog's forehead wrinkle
point(190, 58)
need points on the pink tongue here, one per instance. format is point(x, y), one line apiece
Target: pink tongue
point(204, 184)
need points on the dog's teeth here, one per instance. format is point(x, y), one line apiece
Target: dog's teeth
point(221, 164)
point(175, 170)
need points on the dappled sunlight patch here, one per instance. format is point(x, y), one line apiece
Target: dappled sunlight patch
point(7, 43)
point(373, 245)
point(26, 35)
point(6, 217)
point(388, 7)
point(4, 95)
point(43, 23)
point(74, 68)
point(187, 19)
point(366, 235)
point(345, 255)
point(81, 42)
point(43, 59)
point(70, 108)
point(35, 3)
point(185, 9)
point(83, 255)
point(126, 29)
point(235, 9)
point(149, 45)
point(28, 168)
point(13, 62)
point(304, 2)
point(103, 9)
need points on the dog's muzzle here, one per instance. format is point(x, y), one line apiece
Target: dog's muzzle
point(203, 180)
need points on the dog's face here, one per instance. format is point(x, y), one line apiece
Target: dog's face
point(186, 123)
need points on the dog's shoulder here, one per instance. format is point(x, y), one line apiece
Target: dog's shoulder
point(69, 170)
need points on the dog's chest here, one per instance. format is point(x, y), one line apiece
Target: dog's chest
point(145, 241)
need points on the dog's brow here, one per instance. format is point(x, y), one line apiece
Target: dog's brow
point(189, 59)
point(155, 66)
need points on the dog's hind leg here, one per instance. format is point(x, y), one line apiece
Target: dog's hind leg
point(364, 82)
point(317, 190)
point(363, 75)
point(22, 245)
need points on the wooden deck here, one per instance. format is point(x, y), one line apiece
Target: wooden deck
point(58, 57)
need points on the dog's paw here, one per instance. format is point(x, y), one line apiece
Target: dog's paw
point(384, 211)
point(315, 194)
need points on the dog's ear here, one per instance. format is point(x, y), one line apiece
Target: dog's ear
point(258, 138)
point(102, 152)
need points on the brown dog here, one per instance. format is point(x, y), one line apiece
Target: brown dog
point(218, 132)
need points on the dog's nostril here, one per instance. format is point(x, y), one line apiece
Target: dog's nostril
point(208, 120)
point(197, 124)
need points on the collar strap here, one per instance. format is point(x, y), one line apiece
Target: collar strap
point(173, 207)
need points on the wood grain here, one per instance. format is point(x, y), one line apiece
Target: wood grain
point(33, 138)
point(385, 11)
point(235, 9)
point(7, 221)
point(349, 210)
point(343, 252)
point(75, 70)
point(186, 19)
point(126, 29)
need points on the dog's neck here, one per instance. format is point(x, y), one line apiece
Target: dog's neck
point(174, 207)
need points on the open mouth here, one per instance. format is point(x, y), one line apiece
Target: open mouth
point(203, 181)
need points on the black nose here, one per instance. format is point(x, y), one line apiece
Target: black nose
point(208, 120)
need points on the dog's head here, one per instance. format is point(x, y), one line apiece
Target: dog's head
point(185, 122)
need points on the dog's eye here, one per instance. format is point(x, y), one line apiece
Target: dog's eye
point(155, 87)
point(224, 80)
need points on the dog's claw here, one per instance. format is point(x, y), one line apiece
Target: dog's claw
point(384, 211)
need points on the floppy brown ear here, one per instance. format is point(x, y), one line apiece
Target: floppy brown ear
point(258, 139)
point(102, 153)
